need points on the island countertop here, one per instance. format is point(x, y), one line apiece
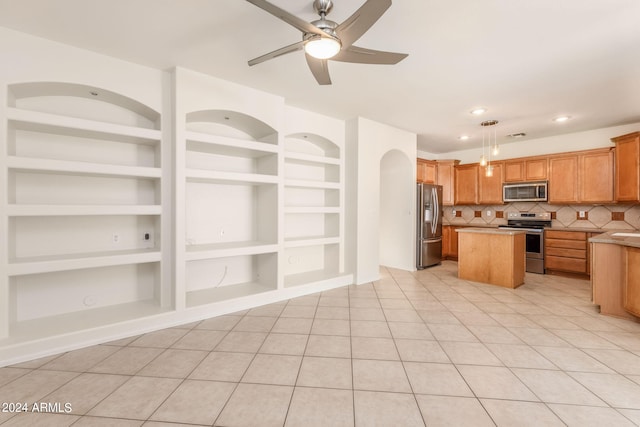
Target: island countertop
point(622, 238)
point(487, 230)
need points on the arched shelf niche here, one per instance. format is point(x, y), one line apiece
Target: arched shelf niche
point(232, 124)
point(83, 102)
point(311, 144)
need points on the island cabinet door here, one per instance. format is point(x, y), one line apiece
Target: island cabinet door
point(631, 292)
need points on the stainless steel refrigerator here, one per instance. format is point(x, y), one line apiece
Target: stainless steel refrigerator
point(429, 225)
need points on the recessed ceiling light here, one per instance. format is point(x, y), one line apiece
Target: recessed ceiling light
point(561, 119)
point(463, 137)
point(478, 111)
point(517, 135)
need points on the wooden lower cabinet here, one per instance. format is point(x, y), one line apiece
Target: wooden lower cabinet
point(566, 251)
point(631, 290)
point(615, 280)
point(449, 242)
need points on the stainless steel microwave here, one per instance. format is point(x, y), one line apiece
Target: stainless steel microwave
point(525, 192)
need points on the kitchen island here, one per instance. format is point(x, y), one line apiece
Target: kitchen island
point(492, 255)
point(615, 273)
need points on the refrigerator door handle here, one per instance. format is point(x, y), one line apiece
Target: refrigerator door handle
point(436, 211)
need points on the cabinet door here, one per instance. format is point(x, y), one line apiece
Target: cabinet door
point(627, 170)
point(596, 176)
point(563, 179)
point(466, 184)
point(490, 187)
point(426, 171)
point(536, 169)
point(631, 292)
point(514, 171)
point(453, 243)
point(446, 178)
point(446, 238)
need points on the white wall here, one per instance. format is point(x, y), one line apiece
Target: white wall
point(367, 143)
point(397, 211)
point(577, 141)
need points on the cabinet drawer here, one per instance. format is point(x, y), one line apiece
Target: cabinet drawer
point(567, 235)
point(572, 265)
point(566, 244)
point(568, 253)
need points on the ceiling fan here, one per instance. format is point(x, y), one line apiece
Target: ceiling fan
point(325, 40)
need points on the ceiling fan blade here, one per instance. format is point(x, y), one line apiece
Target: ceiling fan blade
point(361, 55)
point(361, 20)
point(320, 69)
point(304, 26)
point(282, 51)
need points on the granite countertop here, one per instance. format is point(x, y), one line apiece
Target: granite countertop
point(489, 230)
point(623, 238)
point(582, 229)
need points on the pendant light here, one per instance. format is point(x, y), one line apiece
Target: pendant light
point(492, 150)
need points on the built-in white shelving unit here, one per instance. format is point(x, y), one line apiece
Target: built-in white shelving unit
point(83, 210)
point(120, 218)
point(231, 206)
point(313, 209)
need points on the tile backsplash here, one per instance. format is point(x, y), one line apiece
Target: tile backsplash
point(607, 217)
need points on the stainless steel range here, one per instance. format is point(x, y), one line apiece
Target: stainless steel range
point(534, 224)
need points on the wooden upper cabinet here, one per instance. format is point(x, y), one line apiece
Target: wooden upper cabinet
point(466, 184)
point(490, 187)
point(536, 169)
point(582, 177)
point(514, 170)
point(596, 175)
point(426, 171)
point(563, 179)
point(627, 167)
point(446, 178)
point(530, 169)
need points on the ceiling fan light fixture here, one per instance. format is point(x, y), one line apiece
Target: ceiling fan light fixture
point(322, 47)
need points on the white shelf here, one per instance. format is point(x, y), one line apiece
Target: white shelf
point(228, 146)
point(310, 158)
point(207, 176)
point(312, 278)
point(310, 241)
point(312, 184)
point(311, 210)
point(220, 250)
point(80, 210)
point(47, 327)
point(224, 293)
point(31, 164)
point(47, 264)
point(64, 125)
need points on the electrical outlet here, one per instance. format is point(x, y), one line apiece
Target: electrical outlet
point(146, 237)
point(489, 213)
point(222, 232)
point(582, 214)
point(116, 238)
point(454, 212)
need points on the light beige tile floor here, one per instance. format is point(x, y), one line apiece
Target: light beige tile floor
point(412, 349)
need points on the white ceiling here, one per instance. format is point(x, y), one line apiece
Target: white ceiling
point(527, 61)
